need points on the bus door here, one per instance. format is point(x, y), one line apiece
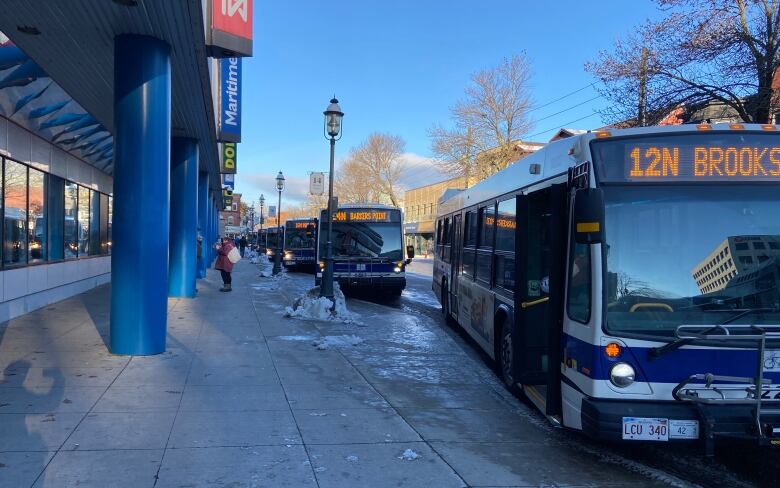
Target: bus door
point(541, 255)
point(456, 246)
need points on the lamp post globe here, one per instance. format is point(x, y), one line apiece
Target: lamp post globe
point(279, 244)
point(332, 129)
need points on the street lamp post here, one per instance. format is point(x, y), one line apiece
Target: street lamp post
point(333, 116)
point(260, 237)
point(278, 254)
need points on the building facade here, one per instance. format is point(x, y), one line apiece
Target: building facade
point(420, 205)
point(230, 220)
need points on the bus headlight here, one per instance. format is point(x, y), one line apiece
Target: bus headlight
point(622, 375)
point(289, 255)
point(322, 265)
point(399, 266)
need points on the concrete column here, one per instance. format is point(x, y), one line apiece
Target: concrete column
point(182, 272)
point(203, 202)
point(142, 140)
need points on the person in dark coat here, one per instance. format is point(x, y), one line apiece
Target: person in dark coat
point(224, 265)
point(242, 245)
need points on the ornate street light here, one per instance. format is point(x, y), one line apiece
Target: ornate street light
point(278, 254)
point(333, 116)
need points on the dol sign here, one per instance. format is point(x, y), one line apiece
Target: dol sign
point(230, 100)
point(317, 183)
point(229, 157)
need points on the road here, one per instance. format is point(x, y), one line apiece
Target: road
point(733, 466)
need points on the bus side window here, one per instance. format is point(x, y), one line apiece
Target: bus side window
point(506, 224)
point(578, 306)
point(487, 224)
point(447, 238)
point(470, 243)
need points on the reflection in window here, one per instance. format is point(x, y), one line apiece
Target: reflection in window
point(71, 239)
point(36, 223)
point(110, 222)
point(484, 260)
point(578, 305)
point(505, 272)
point(103, 234)
point(55, 189)
point(83, 219)
point(506, 223)
point(14, 227)
point(471, 229)
point(487, 223)
point(94, 223)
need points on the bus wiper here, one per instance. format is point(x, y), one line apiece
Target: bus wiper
point(659, 351)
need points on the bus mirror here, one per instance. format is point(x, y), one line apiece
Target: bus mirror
point(588, 219)
point(410, 251)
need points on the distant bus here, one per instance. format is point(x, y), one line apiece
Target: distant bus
point(367, 248)
point(300, 243)
point(273, 238)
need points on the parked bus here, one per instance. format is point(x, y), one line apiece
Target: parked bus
point(300, 243)
point(367, 248)
point(274, 239)
point(626, 281)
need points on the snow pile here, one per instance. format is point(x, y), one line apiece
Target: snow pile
point(409, 455)
point(311, 305)
point(352, 458)
point(336, 341)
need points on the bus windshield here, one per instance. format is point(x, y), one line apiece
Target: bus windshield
point(299, 238)
point(691, 255)
point(365, 240)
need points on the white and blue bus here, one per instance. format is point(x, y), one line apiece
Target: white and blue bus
point(628, 281)
point(367, 248)
point(300, 243)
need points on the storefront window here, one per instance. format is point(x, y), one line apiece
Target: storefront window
point(94, 224)
point(55, 210)
point(103, 223)
point(14, 227)
point(71, 220)
point(36, 222)
point(83, 229)
point(110, 222)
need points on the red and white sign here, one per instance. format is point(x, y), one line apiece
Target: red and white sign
point(231, 28)
point(233, 17)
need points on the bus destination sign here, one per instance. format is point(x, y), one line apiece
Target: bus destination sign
point(362, 215)
point(745, 157)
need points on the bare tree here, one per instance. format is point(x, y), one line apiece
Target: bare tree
point(488, 122)
point(352, 182)
point(701, 51)
point(380, 157)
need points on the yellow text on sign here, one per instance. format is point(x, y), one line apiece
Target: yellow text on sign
point(734, 161)
point(655, 161)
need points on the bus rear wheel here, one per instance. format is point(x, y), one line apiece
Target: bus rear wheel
point(505, 356)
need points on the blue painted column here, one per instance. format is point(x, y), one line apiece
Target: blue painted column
point(183, 267)
point(203, 224)
point(142, 140)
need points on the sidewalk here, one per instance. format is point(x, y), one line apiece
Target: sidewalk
point(243, 398)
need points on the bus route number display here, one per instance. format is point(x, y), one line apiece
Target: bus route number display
point(687, 157)
point(669, 162)
point(361, 216)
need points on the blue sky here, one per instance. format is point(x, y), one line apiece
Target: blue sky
point(397, 66)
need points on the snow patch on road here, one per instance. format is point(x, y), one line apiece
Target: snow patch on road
point(409, 455)
point(336, 341)
point(311, 305)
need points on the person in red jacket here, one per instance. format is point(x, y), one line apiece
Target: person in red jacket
point(224, 265)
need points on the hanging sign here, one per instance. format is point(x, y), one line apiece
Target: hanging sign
point(229, 158)
point(227, 200)
point(229, 181)
point(271, 211)
point(230, 100)
point(230, 32)
point(317, 184)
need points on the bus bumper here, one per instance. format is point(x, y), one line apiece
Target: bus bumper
point(383, 283)
point(603, 419)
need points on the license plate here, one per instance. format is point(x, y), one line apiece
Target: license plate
point(645, 429)
point(683, 429)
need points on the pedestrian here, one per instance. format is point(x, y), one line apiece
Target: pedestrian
point(242, 245)
point(224, 265)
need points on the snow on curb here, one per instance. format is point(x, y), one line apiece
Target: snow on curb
point(311, 305)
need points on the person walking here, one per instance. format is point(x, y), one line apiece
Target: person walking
point(242, 245)
point(224, 265)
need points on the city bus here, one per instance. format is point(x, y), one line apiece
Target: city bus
point(300, 243)
point(626, 282)
point(367, 248)
point(273, 239)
